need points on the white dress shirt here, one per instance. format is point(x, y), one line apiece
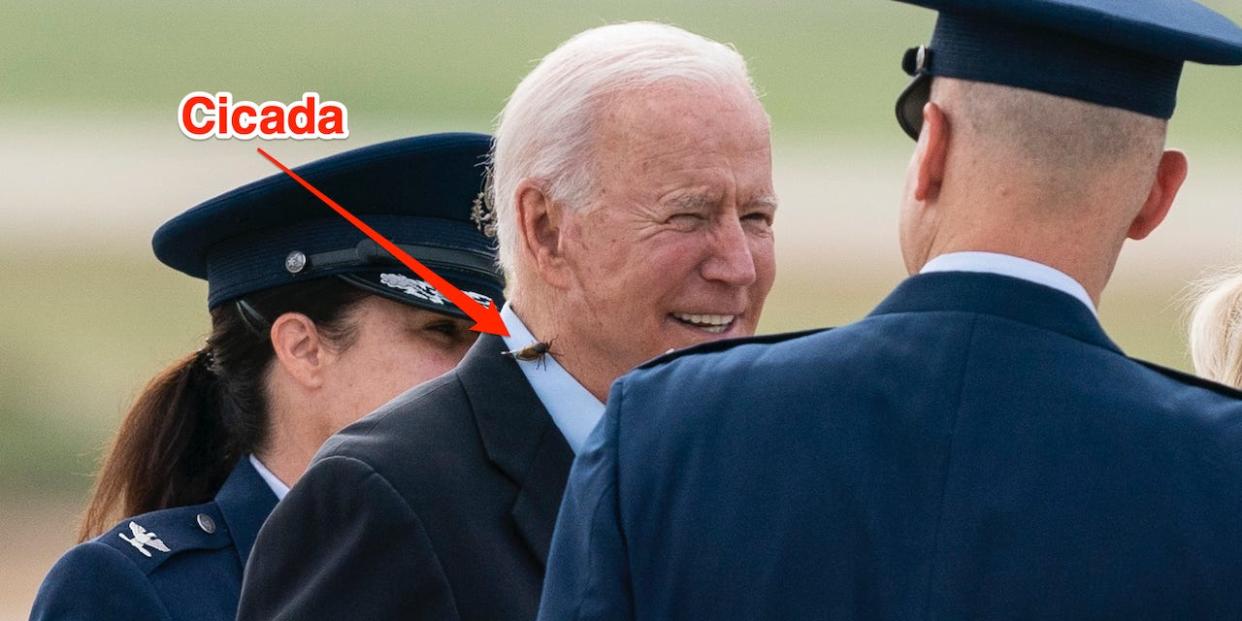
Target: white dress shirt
point(1015, 267)
point(278, 487)
point(573, 408)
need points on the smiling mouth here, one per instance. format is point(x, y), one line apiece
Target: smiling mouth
point(713, 324)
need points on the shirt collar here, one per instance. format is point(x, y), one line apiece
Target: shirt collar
point(278, 487)
point(573, 408)
point(1014, 267)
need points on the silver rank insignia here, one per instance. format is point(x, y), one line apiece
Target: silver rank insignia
point(142, 539)
point(417, 288)
point(424, 291)
point(483, 300)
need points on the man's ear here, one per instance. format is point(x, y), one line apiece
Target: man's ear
point(931, 154)
point(540, 223)
point(300, 349)
point(1170, 175)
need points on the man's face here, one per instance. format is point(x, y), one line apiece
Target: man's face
point(676, 246)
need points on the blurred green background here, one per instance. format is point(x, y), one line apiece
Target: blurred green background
point(91, 161)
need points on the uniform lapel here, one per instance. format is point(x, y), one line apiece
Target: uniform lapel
point(245, 501)
point(519, 437)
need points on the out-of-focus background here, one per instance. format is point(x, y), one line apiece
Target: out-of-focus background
point(92, 161)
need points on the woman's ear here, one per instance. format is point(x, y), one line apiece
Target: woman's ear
point(300, 349)
point(540, 228)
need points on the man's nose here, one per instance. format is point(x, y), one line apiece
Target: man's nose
point(731, 261)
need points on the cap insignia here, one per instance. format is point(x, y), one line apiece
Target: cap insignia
point(484, 214)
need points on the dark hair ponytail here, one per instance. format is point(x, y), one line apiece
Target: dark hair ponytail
point(194, 420)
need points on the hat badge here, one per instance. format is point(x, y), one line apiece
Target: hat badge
point(295, 262)
point(483, 214)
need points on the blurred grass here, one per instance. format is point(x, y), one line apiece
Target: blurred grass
point(828, 68)
point(436, 59)
point(81, 334)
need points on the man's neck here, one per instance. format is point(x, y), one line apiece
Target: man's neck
point(1013, 267)
point(1076, 260)
point(572, 354)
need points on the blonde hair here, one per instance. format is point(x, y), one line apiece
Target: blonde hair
point(1216, 328)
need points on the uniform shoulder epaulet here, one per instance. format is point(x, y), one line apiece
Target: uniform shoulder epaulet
point(726, 344)
point(152, 538)
point(1192, 380)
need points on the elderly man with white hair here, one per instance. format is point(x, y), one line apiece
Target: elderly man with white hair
point(633, 208)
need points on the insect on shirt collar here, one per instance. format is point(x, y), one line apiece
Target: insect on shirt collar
point(573, 408)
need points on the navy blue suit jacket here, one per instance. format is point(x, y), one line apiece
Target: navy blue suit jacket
point(199, 578)
point(438, 505)
point(976, 448)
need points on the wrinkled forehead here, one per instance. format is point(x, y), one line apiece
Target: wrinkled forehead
point(696, 123)
point(682, 113)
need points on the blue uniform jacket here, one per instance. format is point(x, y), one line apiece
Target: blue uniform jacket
point(199, 577)
point(976, 448)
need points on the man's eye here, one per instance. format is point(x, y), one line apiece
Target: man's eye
point(686, 218)
point(758, 217)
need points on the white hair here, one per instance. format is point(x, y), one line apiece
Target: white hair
point(1216, 328)
point(545, 129)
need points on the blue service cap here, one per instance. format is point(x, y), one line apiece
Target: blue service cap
point(424, 193)
point(1125, 54)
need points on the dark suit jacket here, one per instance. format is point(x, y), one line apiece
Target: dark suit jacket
point(440, 505)
point(198, 579)
point(976, 448)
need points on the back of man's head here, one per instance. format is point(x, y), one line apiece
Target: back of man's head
point(1057, 155)
point(1052, 179)
point(1041, 126)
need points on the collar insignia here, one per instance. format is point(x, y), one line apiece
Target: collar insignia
point(142, 538)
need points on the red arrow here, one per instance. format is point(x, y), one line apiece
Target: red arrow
point(487, 318)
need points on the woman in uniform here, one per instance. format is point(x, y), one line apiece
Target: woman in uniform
point(312, 327)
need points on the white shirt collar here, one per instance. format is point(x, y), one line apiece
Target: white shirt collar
point(1009, 265)
point(278, 487)
point(573, 408)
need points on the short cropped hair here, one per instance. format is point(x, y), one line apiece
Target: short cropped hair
point(1063, 144)
point(545, 129)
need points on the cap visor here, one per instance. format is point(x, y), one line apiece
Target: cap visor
point(910, 105)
